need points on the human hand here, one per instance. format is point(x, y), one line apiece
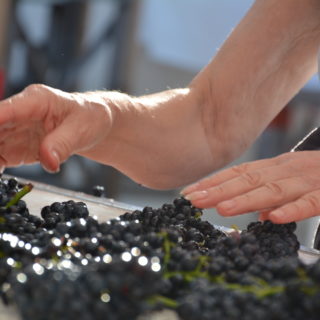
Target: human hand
point(282, 189)
point(48, 125)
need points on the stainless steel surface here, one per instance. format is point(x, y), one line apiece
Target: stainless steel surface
point(8, 313)
point(308, 256)
point(43, 194)
point(307, 231)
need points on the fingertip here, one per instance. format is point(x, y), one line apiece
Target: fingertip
point(55, 157)
point(197, 196)
point(198, 204)
point(279, 217)
point(49, 168)
point(50, 160)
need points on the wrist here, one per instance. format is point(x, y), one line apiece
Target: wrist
point(104, 112)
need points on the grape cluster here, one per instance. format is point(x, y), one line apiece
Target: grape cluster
point(275, 240)
point(66, 264)
point(108, 290)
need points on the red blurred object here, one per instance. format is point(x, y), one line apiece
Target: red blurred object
point(282, 120)
point(2, 83)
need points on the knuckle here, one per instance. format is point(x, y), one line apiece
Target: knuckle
point(241, 168)
point(219, 190)
point(293, 208)
point(251, 178)
point(245, 200)
point(312, 201)
point(275, 189)
point(35, 87)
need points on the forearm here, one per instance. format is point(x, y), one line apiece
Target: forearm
point(261, 66)
point(157, 140)
point(172, 138)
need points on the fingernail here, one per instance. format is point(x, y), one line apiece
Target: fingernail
point(55, 155)
point(57, 158)
point(189, 189)
point(49, 170)
point(197, 195)
point(54, 165)
point(227, 205)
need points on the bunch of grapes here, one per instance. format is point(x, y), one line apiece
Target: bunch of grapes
point(67, 265)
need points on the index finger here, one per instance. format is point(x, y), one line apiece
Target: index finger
point(29, 104)
point(228, 174)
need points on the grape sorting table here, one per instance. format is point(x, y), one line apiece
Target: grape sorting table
point(104, 209)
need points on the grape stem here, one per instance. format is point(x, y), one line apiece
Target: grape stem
point(21, 193)
point(167, 302)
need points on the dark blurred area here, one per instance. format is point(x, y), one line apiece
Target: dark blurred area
point(53, 42)
point(135, 46)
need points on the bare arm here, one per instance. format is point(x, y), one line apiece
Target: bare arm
point(175, 137)
point(260, 67)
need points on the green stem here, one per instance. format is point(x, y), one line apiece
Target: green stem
point(203, 260)
point(260, 289)
point(235, 228)
point(167, 302)
point(198, 214)
point(14, 200)
point(167, 245)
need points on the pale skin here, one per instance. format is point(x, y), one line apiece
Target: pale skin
point(173, 138)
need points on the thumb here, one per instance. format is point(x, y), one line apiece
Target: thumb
point(59, 145)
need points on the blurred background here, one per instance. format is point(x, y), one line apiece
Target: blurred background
point(135, 46)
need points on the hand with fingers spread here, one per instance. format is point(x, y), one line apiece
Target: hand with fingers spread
point(283, 189)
